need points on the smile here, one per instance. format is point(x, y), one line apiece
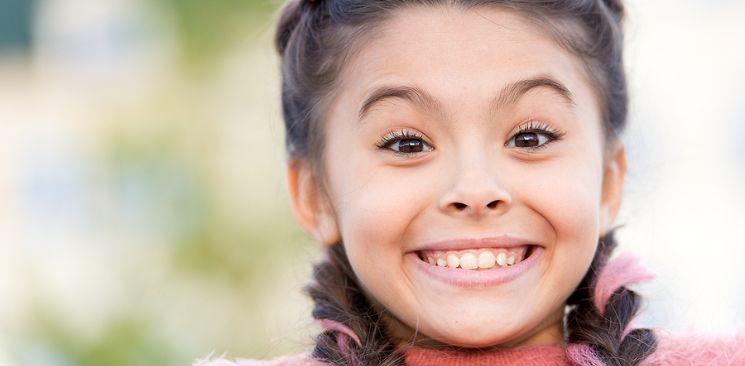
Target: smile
point(477, 266)
point(476, 259)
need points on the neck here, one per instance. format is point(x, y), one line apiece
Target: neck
point(547, 333)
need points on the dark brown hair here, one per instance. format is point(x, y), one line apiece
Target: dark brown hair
point(315, 38)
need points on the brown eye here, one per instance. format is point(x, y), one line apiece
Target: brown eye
point(527, 139)
point(405, 143)
point(410, 146)
point(530, 140)
point(533, 136)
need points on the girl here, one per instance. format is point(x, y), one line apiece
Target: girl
point(461, 162)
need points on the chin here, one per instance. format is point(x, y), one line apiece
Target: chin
point(476, 336)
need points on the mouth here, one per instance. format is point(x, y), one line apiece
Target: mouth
point(476, 267)
point(476, 259)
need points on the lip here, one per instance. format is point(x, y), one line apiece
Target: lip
point(477, 243)
point(466, 278)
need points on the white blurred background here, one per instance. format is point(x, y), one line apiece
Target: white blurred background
point(143, 214)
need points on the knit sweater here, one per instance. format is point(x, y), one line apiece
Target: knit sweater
point(671, 351)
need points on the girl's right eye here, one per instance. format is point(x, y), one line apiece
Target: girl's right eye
point(405, 143)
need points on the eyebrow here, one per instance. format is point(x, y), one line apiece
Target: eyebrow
point(508, 95)
point(411, 94)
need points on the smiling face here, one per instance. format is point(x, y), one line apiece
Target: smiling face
point(464, 172)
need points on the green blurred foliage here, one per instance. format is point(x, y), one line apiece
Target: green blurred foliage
point(126, 340)
point(208, 27)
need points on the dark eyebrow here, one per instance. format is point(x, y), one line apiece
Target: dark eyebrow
point(509, 95)
point(514, 91)
point(411, 94)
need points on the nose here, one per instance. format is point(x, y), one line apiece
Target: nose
point(475, 192)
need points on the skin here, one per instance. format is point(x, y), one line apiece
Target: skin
point(472, 183)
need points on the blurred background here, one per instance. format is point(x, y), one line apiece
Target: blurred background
point(144, 218)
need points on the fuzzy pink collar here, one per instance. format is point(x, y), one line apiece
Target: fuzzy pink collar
point(527, 355)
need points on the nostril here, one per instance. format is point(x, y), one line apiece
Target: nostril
point(492, 204)
point(459, 205)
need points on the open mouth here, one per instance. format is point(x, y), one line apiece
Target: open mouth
point(477, 259)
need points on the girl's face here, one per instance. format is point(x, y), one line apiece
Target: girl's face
point(461, 139)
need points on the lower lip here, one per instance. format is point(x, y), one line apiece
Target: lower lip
point(467, 278)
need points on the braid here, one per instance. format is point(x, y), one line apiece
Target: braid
point(339, 298)
point(601, 324)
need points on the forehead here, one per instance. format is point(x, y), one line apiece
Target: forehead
point(457, 53)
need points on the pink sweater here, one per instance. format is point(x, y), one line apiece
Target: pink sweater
point(671, 350)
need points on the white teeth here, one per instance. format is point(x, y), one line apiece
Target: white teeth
point(474, 258)
point(486, 259)
point(502, 259)
point(468, 261)
point(453, 261)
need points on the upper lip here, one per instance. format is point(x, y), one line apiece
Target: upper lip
point(475, 243)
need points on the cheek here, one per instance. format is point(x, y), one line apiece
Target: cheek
point(572, 204)
point(378, 204)
point(569, 203)
point(375, 212)
point(374, 206)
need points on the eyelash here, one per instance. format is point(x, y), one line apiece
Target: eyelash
point(538, 127)
point(400, 135)
point(531, 126)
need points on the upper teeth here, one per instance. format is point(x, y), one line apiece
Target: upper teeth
point(475, 258)
point(501, 259)
point(469, 261)
point(453, 261)
point(486, 259)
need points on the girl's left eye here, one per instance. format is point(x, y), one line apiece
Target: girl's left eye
point(533, 136)
point(405, 143)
